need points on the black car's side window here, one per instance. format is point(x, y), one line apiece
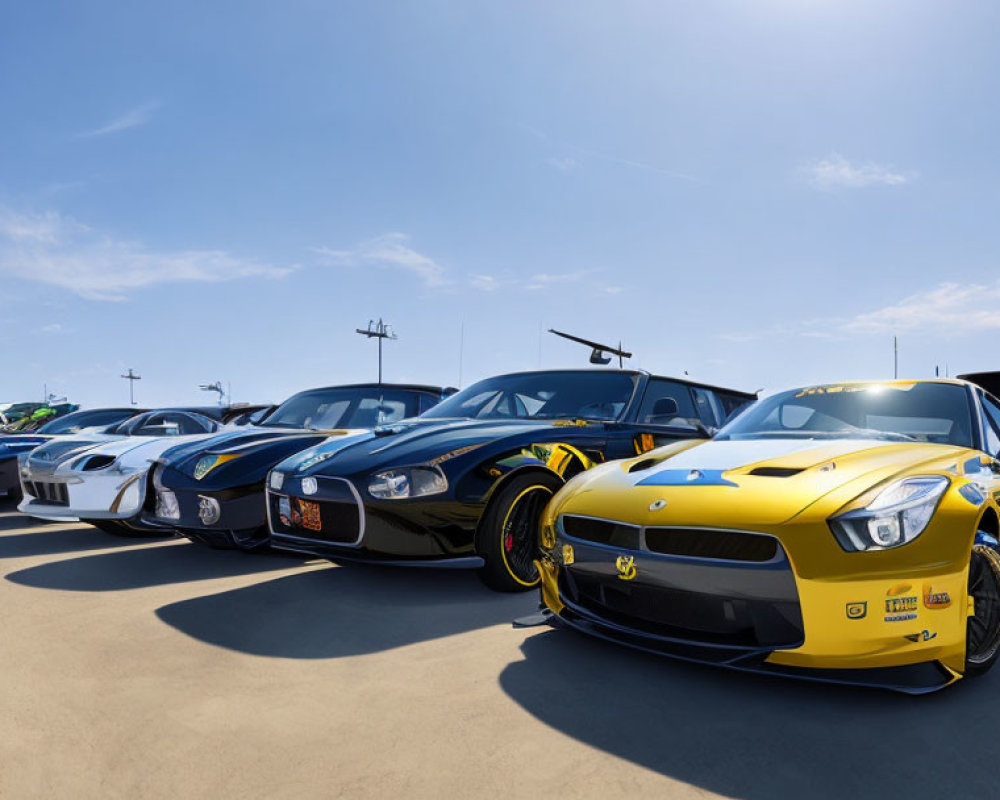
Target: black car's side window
point(707, 406)
point(668, 403)
point(991, 424)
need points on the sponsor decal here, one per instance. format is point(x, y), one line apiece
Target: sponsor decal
point(568, 556)
point(899, 617)
point(857, 610)
point(626, 567)
point(934, 599)
point(923, 636)
point(310, 515)
point(897, 605)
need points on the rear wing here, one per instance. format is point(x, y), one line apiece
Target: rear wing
point(990, 381)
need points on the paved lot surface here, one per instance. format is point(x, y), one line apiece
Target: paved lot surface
point(155, 668)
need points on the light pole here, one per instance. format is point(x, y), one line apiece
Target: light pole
point(378, 330)
point(131, 378)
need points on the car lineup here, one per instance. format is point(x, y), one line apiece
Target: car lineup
point(843, 532)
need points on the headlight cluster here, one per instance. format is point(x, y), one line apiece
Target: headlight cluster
point(406, 482)
point(897, 515)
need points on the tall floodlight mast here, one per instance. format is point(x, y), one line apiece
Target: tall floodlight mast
point(599, 353)
point(131, 377)
point(378, 330)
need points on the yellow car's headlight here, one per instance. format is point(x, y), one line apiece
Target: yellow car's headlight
point(895, 516)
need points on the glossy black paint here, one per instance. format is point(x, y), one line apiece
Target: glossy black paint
point(237, 485)
point(443, 526)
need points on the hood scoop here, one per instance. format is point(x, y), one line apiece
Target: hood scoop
point(776, 472)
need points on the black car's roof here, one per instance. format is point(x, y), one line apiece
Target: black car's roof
point(412, 387)
point(685, 381)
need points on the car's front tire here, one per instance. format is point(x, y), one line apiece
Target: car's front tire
point(982, 637)
point(507, 538)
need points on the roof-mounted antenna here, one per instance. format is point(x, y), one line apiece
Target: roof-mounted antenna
point(600, 353)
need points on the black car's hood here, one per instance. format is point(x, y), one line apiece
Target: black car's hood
point(419, 440)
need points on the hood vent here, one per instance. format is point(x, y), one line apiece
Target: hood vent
point(646, 463)
point(776, 472)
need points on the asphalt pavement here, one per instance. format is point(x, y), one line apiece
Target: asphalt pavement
point(159, 668)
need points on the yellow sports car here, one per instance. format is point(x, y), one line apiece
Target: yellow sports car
point(845, 533)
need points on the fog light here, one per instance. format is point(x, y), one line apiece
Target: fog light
point(166, 505)
point(309, 486)
point(209, 510)
point(277, 480)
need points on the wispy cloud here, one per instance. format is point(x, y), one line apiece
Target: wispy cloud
point(563, 164)
point(545, 280)
point(389, 251)
point(132, 118)
point(484, 283)
point(57, 250)
point(947, 309)
point(836, 172)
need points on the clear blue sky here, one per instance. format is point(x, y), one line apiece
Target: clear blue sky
point(758, 193)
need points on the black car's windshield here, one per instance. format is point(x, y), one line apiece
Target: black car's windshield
point(590, 394)
point(921, 412)
point(328, 409)
point(78, 420)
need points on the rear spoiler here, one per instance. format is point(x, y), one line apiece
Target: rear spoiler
point(990, 381)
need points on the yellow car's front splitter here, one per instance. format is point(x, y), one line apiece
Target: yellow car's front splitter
point(759, 616)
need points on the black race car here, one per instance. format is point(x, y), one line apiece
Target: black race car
point(466, 482)
point(212, 491)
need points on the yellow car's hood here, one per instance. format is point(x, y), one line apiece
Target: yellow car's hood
point(760, 482)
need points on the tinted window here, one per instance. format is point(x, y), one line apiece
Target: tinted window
point(166, 423)
point(991, 424)
point(707, 407)
point(668, 403)
point(924, 412)
point(328, 409)
point(591, 394)
point(78, 420)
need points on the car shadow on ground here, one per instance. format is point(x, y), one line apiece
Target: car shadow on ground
point(345, 611)
point(168, 562)
point(753, 736)
point(23, 537)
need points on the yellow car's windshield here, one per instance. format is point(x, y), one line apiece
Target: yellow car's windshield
point(921, 412)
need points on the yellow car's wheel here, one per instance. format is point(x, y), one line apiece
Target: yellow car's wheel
point(982, 637)
point(507, 539)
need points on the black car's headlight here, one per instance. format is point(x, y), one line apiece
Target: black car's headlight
point(895, 516)
point(405, 482)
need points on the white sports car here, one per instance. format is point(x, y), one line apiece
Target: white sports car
point(101, 479)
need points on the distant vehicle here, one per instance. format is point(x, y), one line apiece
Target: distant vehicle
point(212, 491)
point(97, 420)
point(25, 417)
point(843, 532)
point(465, 483)
point(102, 479)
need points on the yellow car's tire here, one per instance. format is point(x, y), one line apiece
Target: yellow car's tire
point(982, 637)
point(507, 538)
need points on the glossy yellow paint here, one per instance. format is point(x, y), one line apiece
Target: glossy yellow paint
point(836, 476)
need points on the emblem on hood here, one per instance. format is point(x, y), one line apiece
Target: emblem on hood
point(626, 567)
point(656, 505)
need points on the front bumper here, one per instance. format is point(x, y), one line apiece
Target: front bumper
point(761, 615)
point(336, 522)
point(229, 518)
point(99, 495)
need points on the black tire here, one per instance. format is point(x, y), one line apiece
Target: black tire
point(982, 637)
point(507, 537)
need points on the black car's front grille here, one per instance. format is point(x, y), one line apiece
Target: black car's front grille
point(707, 543)
point(601, 531)
point(55, 494)
point(333, 515)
